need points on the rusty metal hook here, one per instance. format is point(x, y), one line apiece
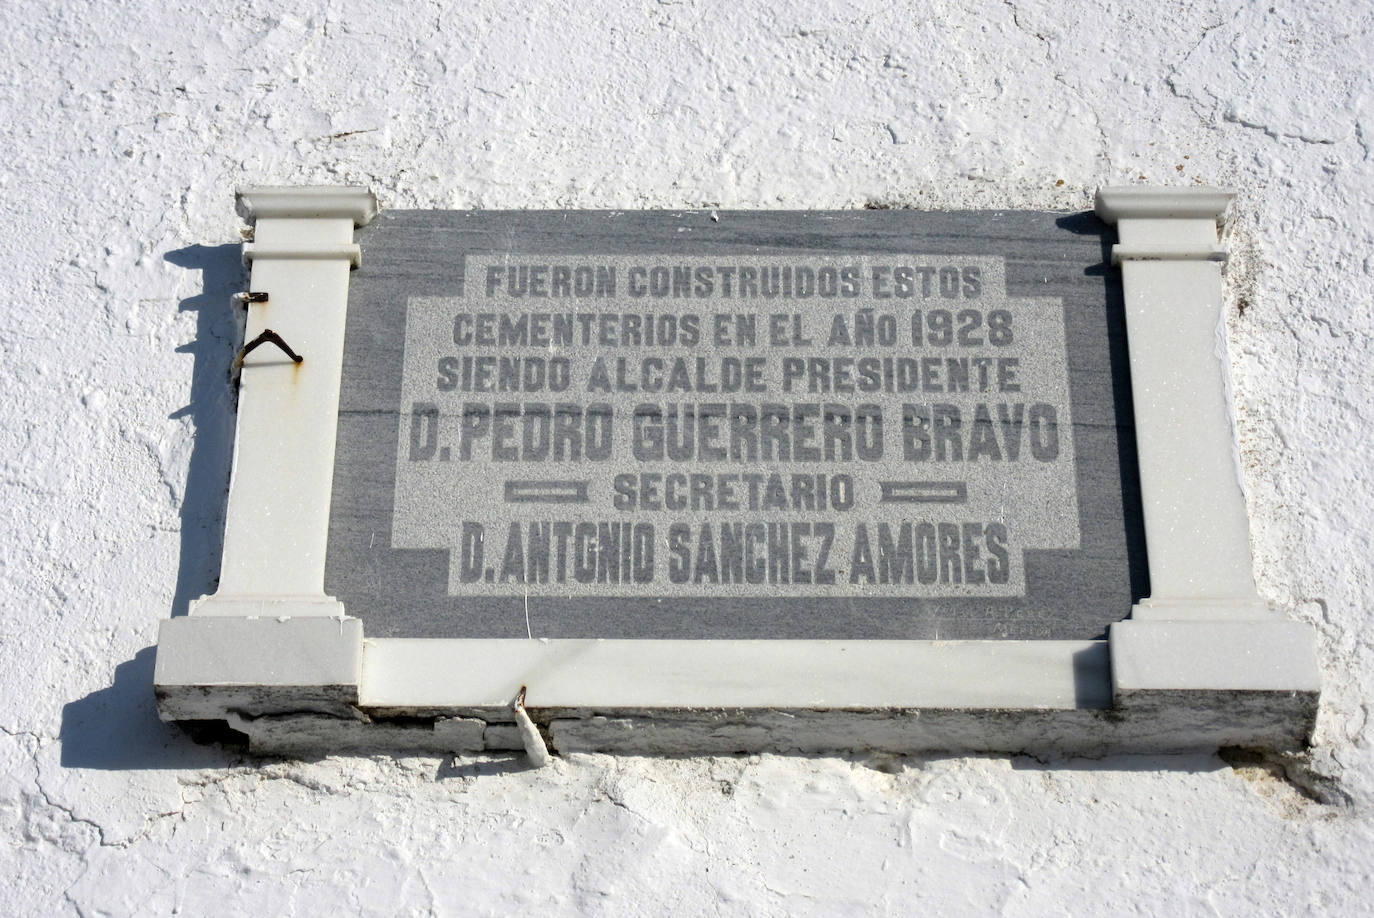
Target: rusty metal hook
point(267, 337)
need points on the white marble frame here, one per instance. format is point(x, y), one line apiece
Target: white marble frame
point(1202, 663)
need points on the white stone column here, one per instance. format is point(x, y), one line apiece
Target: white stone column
point(1204, 626)
point(269, 640)
point(278, 514)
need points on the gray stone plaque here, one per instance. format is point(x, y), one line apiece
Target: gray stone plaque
point(860, 425)
point(666, 482)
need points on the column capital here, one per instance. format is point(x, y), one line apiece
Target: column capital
point(305, 224)
point(1165, 224)
point(307, 202)
point(1135, 202)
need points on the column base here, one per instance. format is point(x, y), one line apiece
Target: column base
point(239, 605)
point(1205, 610)
point(210, 664)
point(1271, 655)
point(1249, 683)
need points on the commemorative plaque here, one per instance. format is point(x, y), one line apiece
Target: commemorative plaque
point(735, 425)
point(734, 481)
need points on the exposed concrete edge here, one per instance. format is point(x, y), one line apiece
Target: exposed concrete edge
point(1249, 722)
point(308, 735)
point(1158, 723)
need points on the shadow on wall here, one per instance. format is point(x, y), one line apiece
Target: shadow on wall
point(211, 410)
point(117, 728)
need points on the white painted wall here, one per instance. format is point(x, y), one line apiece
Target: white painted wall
point(128, 127)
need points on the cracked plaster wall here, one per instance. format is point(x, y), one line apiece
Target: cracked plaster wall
point(130, 124)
